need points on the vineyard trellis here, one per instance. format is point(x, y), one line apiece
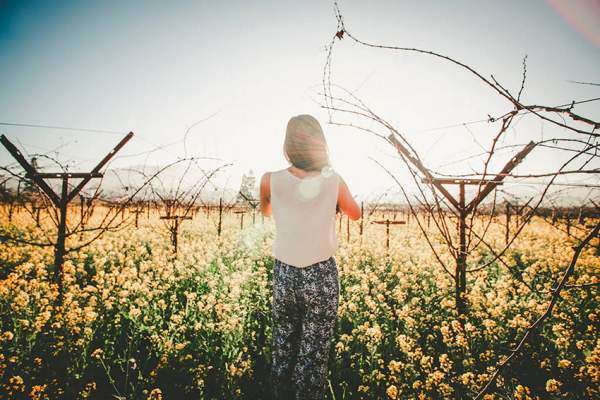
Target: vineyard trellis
point(60, 202)
point(444, 204)
point(434, 203)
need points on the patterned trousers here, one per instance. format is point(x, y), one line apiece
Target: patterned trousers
point(305, 305)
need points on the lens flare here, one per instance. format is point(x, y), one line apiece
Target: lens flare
point(310, 188)
point(583, 16)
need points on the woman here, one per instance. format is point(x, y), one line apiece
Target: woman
point(303, 200)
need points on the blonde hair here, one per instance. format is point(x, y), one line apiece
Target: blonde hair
point(305, 143)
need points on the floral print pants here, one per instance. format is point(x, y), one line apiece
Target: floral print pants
point(305, 305)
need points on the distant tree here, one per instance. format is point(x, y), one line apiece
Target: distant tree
point(247, 188)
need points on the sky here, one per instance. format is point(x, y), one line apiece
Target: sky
point(233, 73)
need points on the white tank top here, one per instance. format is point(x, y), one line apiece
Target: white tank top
point(304, 213)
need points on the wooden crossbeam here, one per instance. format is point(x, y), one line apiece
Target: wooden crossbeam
point(417, 163)
point(30, 170)
point(253, 203)
point(516, 160)
point(97, 168)
point(389, 222)
point(453, 181)
point(178, 217)
point(60, 175)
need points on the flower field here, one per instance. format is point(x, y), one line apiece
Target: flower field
point(139, 322)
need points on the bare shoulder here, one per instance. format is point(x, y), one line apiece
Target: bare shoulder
point(341, 180)
point(266, 175)
point(265, 181)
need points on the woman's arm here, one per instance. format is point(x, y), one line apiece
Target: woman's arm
point(265, 194)
point(346, 202)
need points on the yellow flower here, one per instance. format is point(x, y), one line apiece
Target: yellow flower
point(565, 363)
point(363, 388)
point(155, 394)
point(392, 392)
point(37, 391)
point(394, 366)
point(97, 353)
point(552, 385)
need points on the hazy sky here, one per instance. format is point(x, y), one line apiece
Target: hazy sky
point(156, 68)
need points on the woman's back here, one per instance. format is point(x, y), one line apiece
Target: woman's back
point(304, 212)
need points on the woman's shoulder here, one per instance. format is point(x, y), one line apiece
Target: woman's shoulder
point(337, 175)
point(268, 174)
point(265, 179)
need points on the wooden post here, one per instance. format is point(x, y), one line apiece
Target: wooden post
point(174, 227)
point(81, 209)
point(59, 249)
point(37, 208)
point(387, 223)
point(12, 207)
point(220, 216)
point(241, 212)
point(460, 272)
point(137, 212)
point(387, 234)
point(174, 234)
point(461, 259)
point(581, 216)
point(361, 217)
point(507, 233)
point(37, 215)
point(91, 206)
